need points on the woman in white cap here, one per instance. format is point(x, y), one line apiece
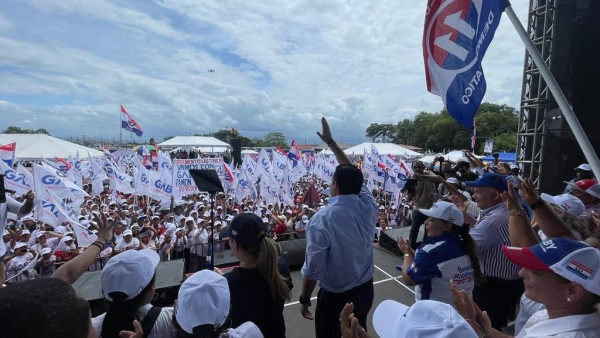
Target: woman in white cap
point(127, 283)
point(203, 306)
point(258, 290)
point(449, 253)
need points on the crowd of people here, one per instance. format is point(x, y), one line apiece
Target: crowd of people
point(494, 249)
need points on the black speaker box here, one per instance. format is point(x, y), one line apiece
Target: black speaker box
point(387, 240)
point(293, 251)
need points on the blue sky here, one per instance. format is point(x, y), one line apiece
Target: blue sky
point(278, 66)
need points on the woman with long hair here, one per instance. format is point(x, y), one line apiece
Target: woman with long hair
point(448, 254)
point(258, 290)
point(128, 286)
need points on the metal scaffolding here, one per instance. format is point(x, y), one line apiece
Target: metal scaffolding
point(535, 94)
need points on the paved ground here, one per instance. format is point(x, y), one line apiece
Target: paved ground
point(388, 285)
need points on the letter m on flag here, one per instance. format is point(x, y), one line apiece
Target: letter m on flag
point(457, 33)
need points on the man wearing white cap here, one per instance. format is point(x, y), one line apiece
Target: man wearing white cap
point(18, 260)
point(21, 209)
point(128, 243)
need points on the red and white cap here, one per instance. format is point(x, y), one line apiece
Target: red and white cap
point(574, 260)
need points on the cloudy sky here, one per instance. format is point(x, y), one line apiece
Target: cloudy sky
point(278, 66)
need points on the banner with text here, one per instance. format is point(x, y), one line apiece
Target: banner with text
point(183, 184)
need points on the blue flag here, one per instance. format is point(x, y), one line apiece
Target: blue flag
point(457, 33)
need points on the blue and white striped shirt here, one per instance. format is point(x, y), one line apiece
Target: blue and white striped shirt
point(490, 234)
point(339, 242)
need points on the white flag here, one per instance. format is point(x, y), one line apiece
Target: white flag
point(14, 181)
point(84, 236)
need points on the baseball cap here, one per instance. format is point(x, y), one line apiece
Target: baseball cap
point(567, 202)
point(265, 220)
point(128, 272)
point(492, 180)
point(452, 180)
point(67, 238)
point(574, 260)
point(19, 245)
point(203, 299)
point(425, 318)
point(25, 232)
point(584, 166)
point(304, 219)
point(247, 229)
point(127, 233)
point(40, 234)
point(45, 251)
point(446, 211)
point(590, 186)
point(513, 167)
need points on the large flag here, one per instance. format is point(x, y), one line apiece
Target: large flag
point(14, 181)
point(7, 153)
point(129, 124)
point(455, 38)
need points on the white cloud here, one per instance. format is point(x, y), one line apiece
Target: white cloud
point(279, 65)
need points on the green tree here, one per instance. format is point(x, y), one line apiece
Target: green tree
point(275, 139)
point(505, 142)
point(381, 132)
point(19, 130)
point(405, 132)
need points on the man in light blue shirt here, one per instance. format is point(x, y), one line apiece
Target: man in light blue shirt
point(339, 248)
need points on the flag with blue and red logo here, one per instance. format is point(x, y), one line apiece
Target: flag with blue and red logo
point(457, 33)
point(129, 124)
point(293, 153)
point(7, 153)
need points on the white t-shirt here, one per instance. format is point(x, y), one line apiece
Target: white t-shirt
point(17, 264)
point(10, 206)
point(163, 327)
point(578, 326)
point(122, 245)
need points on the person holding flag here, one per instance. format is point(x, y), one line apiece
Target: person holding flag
point(21, 209)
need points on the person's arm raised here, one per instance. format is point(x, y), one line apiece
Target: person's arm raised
point(325, 135)
point(73, 269)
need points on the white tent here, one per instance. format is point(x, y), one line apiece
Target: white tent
point(249, 151)
point(31, 147)
point(205, 144)
point(382, 149)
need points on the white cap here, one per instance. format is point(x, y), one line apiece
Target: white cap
point(304, 219)
point(452, 180)
point(25, 232)
point(265, 220)
point(446, 211)
point(203, 299)
point(19, 245)
point(236, 210)
point(567, 202)
point(206, 214)
point(189, 219)
point(585, 167)
point(425, 318)
point(218, 223)
point(67, 238)
point(45, 251)
point(513, 166)
point(381, 207)
point(128, 272)
point(127, 233)
point(40, 234)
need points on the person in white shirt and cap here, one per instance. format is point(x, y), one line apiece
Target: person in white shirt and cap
point(128, 286)
point(17, 260)
point(203, 307)
point(128, 243)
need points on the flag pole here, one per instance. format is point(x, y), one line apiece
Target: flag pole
point(559, 96)
point(120, 130)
